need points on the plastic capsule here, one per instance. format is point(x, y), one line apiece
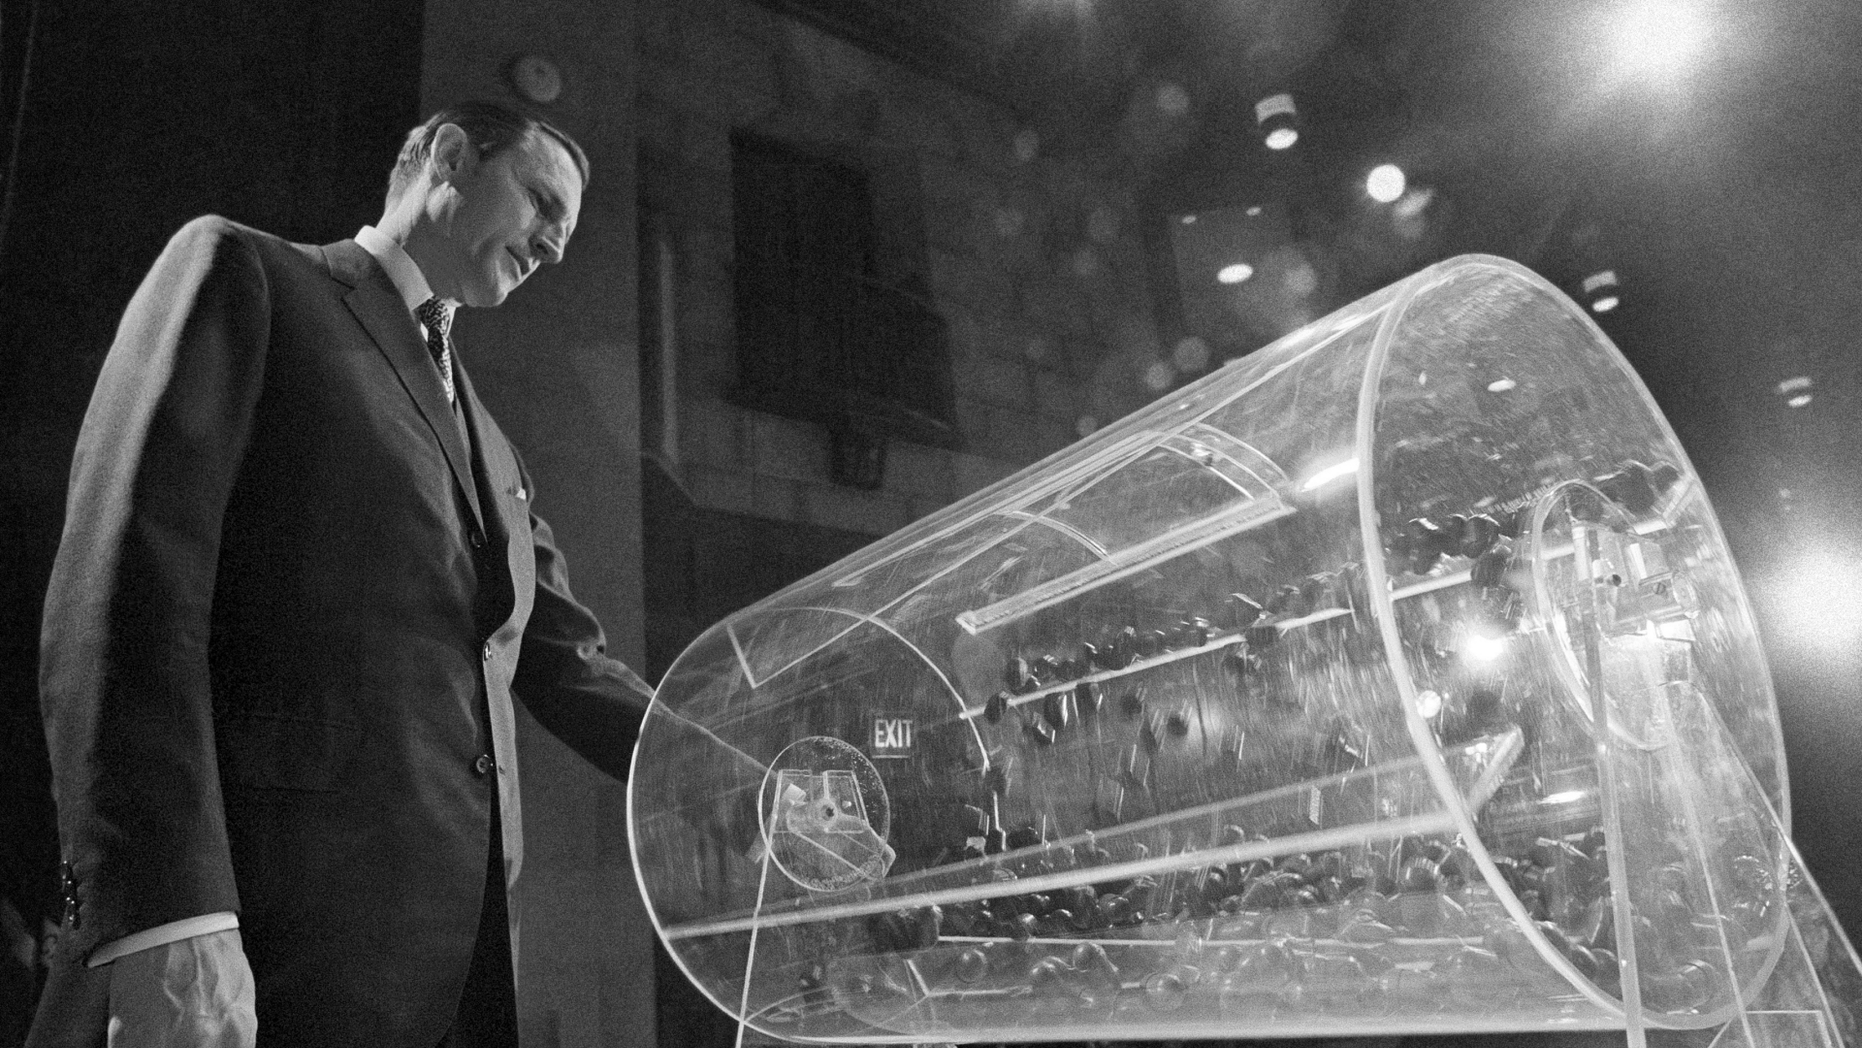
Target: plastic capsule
point(1267, 967)
point(1316, 592)
point(1057, 709)
point(1115, 910)
point(996, 707)
point(1131, 703)
point(971, 966)
point(1024, 837)
point(1478, 534)
point(1261, 636)
point(1166, 991)
point(1122, 649)
point(1290, 602)
point(1046, 669)
point(1489, 567)
point(1331, 976)
point(1019, 676)
point(1194, 632)
point(1241, 610)
point(1631, 487)
point(1048, 975)
point(1478, 977)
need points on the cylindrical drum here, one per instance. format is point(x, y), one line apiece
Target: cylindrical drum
point(1392, 678)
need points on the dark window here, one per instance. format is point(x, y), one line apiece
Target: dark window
point(819, 336)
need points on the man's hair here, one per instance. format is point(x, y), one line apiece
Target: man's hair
point(490, 128)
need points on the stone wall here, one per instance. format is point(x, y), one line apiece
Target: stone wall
point(557, 364)
point(1034, 261)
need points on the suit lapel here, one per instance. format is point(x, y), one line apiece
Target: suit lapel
point(379, 309)
point(474, 414)
point(502, 524)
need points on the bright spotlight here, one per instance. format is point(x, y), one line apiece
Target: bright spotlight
point(1428, 704)
point(1818, 600)
point(1235, 274)
point(1660, 37)
point(1479, 649)
point(1385, 183)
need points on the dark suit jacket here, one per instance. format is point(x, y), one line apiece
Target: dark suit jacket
point(287, 618)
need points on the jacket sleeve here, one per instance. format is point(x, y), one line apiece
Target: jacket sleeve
point(565, 677)
point(123, 672)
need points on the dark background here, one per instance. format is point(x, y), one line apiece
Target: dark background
point(1726, 197)
point(136, 117)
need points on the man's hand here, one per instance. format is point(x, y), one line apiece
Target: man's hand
point(194, 993)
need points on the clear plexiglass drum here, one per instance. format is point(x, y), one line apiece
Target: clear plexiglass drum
point(1393, 678)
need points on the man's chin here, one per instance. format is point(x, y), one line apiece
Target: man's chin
point(485, 298)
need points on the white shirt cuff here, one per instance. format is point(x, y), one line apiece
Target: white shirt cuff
point(161, 935)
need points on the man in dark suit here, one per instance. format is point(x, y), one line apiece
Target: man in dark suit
point(299, 584)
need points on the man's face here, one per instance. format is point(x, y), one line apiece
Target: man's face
point(511, 213)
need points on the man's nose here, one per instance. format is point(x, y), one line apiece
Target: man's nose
point(548, 243)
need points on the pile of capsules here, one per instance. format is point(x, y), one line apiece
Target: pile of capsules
point(1392, 930)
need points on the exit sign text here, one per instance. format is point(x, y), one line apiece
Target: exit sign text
point(892, 737)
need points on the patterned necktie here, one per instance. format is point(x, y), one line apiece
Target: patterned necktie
point(437, 315)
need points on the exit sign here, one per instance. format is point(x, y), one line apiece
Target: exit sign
point(891, 736)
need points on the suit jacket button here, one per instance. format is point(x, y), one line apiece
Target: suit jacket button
point(69, 888)
point(483, 765)
point(487, 651)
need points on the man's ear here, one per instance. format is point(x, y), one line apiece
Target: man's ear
point(452, 154)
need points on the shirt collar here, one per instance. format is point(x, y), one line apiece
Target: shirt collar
point(402, 271)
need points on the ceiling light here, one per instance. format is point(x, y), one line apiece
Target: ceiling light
point(1385, 183)
point(1659, 37)
point(1278, 120)
point(1235, 274)
point(1602, 291)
